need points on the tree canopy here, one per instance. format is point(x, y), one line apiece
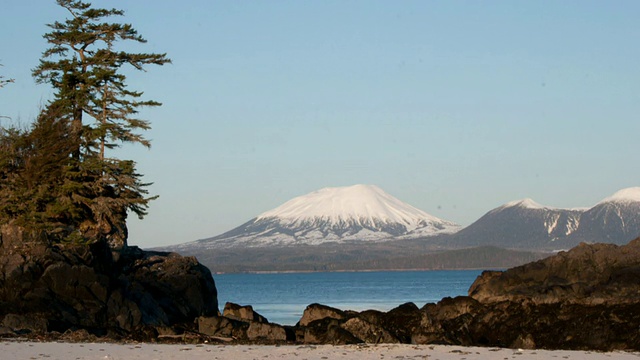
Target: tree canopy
point(56, 175)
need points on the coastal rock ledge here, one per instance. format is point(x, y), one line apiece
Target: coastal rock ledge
point(93, 290)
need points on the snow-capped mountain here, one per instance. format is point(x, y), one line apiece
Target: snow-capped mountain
point(340, 214)
point(519, 224)
point(615, 219)
point(525, 224)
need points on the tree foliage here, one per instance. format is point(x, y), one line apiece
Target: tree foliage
point(84, 69)
point(55, 176)
point(4, 81)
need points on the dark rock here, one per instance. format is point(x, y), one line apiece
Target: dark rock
point(586, 298)
point(222, 327)
point(557, 326)
point(21, 323)
point(214, 325)
point(166, 288)
point(368, 332)
point(328, 331)
point(64, 286)
point(242, 313)
point(587, 274)
point(6, 331)
point(568, 301)
point(446, 322)
point(266, 332)
point(315, 312)
point(230, 329)
point(402, 321)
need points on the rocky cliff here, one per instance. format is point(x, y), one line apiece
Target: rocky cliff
point(55, 288)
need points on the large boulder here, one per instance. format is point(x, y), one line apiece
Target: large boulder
point(315, 312)
point(82, 287)
point(368, 332)
point(223, 327)
point(259, 331)
point(242, 313)
point(400, 322)
point(587, 274)
point(328, 331)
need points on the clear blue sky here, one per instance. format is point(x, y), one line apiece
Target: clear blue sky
point(455, 107)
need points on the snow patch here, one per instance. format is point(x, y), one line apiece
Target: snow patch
point(627, 195)
point(524, 203)
point(572, 225)
point(552, 223)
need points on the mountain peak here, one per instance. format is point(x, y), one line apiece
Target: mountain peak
point(524, 203)
point(627, 195)
point(337, 204)
point(338, 214)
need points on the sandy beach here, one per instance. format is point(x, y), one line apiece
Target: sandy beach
point(144, 351)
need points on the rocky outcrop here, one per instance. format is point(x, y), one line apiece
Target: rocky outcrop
point(56, 287)
point(241, 323)
point(587, 274)
point(368, 332)
point(315, 312)
point(242, 313)
point(222, 327)
point(586, 298)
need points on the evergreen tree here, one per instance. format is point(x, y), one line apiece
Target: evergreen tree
point(57, 174)
point(84, 69)
point(32, 169)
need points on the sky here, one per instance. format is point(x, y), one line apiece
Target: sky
point(455, 107)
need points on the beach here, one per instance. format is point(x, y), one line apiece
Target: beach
point(146, 351)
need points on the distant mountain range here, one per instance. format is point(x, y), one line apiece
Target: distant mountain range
point(361, 226)
point(525, 224)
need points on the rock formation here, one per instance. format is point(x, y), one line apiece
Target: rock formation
point(57, 287)
point(587, 274)
point(586, 298)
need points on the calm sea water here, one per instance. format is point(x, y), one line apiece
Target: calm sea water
point(282, 297)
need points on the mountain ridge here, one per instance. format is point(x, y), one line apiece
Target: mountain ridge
point(525, 224)
point(365, 213)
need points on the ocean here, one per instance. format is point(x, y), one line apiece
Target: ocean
point(282, 297)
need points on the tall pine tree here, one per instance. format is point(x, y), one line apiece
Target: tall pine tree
point(99, 112)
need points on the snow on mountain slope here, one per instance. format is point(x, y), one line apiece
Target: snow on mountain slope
point(524, 203)
point(528, 225)
point(366, 205)
point(352, 213)
point(615, 219)
point(366, 213)
point(628, 195)
point(520, 224)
